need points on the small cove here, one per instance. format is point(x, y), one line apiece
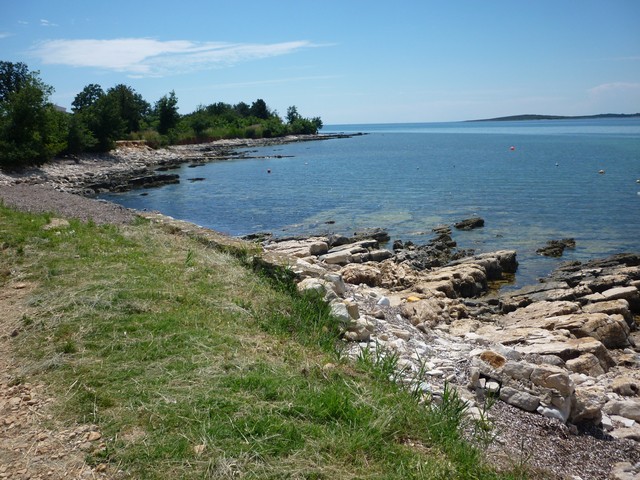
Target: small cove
point(409, 178)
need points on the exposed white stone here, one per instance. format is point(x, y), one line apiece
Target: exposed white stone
point(337, 283)
point(384, 301)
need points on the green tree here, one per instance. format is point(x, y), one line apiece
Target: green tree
point(260, 110)
point(199, 121)
point(166, 110)
point(12, 77)
point(292, 114)
point(80, 138)
point(133, 108)
point(87, 97)
point(242, 109)
point(105, 122)
point(32, 130)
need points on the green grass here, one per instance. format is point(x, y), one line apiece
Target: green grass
point(194, 365)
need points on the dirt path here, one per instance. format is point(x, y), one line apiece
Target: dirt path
point(33, 443)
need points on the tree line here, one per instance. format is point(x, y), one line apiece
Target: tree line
point(33, 130)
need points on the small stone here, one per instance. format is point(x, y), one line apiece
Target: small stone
point(492, 386)
point(352, 308)
point(494, 359)
point(93, 436)
point(384, 302)
point(199, 449)
point(625, 422)
point(403, 334)
point(607, 423)
point(328, 367)
point(85, 446)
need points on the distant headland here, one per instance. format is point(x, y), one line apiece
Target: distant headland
point(556, 117)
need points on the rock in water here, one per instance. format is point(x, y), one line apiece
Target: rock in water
point(555, 248)
point(470, 223)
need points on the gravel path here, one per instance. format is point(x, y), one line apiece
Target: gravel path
point(44, 198)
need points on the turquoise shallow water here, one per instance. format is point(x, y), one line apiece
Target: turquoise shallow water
point(408, 178)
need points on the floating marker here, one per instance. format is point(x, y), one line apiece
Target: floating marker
point(269, 171)
point(512, 148)
point(601, 172)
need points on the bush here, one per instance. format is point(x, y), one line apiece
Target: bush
point(151, 137)
point(32, 131)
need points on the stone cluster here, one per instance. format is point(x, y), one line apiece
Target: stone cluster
point(564, 348)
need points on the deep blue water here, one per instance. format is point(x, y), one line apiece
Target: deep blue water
point(408, 178)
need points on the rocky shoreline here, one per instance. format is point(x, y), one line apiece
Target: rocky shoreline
point(132, 164)
point(564, 349)
point(561, 356)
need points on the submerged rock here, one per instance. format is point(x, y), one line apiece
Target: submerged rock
point(470, 223)
point(555, 248)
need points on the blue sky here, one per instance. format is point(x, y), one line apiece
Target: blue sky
point(347, 61)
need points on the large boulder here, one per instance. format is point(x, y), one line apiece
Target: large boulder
point(611, 330)
point(463, 280)
point(429, 312)
point(568, 349)
point(358, 274)
point(587, 405)
point(544, 388)
point(300, 248)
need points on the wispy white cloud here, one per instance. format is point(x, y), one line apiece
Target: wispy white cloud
point(5, 34)
point(47, 23)
point(613, 97)
point(614, 88)
point(143, 57)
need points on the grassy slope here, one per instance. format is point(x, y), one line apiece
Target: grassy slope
point(194, 366)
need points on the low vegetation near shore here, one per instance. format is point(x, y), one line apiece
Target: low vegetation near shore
point(193, 364)
point(33, 130)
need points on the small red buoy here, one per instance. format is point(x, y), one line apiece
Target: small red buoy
point(512, 148)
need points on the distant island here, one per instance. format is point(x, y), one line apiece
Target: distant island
point(556, 117)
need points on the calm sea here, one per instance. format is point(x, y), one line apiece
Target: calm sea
point(532, 181)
